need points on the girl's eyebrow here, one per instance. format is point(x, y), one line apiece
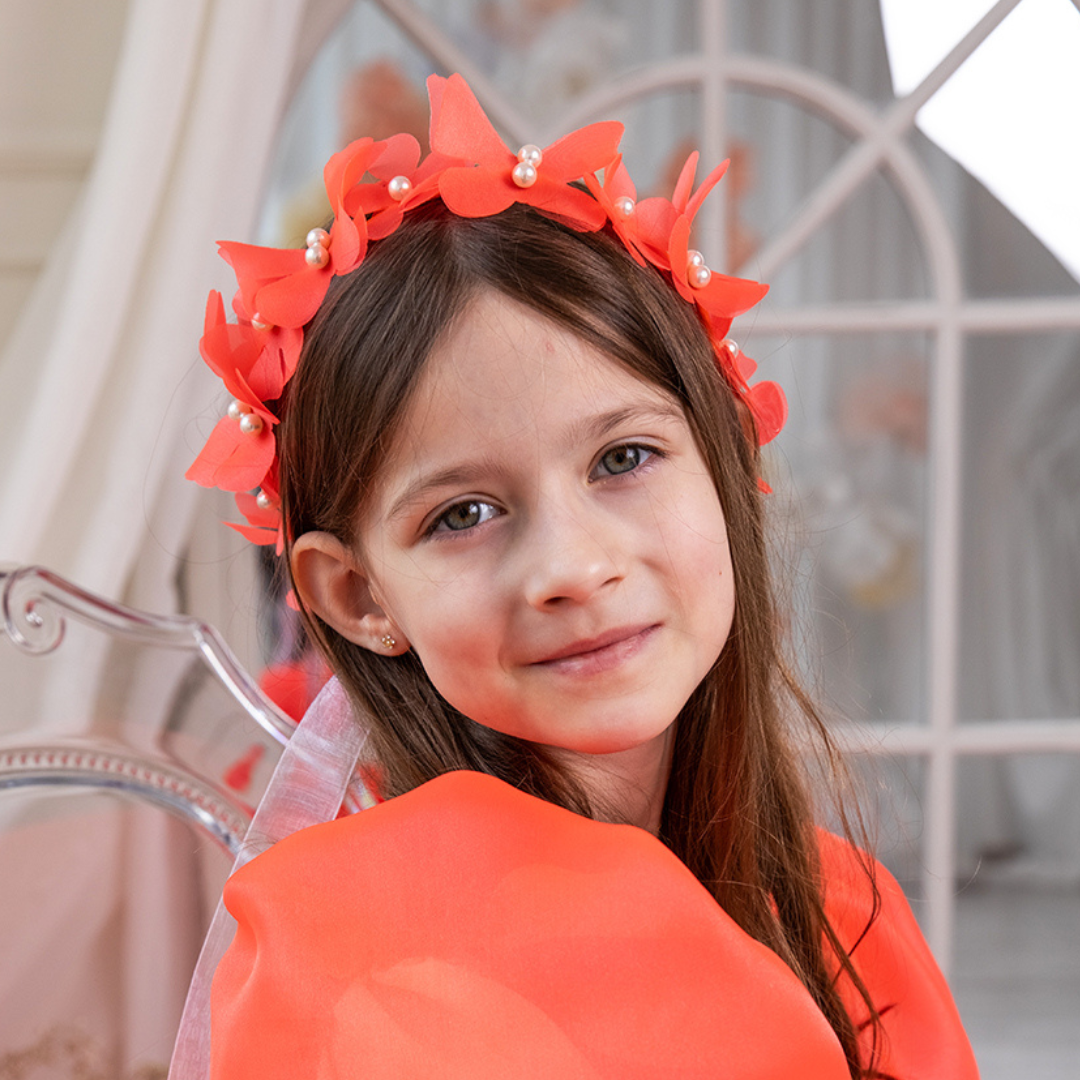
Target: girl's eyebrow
point(463, 475)
point(586, 429)
point(596, 427)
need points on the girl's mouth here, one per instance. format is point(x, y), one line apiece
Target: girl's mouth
point(601, 653)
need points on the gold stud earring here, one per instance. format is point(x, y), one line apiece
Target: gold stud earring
point(388, 641)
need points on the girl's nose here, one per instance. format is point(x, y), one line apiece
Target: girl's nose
point(569, 560)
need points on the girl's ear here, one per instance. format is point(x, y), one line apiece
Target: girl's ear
point(332, 584)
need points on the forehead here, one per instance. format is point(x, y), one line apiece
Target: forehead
point(503, 369)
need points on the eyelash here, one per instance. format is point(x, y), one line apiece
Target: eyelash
point(437, 524)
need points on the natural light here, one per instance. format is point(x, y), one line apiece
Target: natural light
point(1011, 114)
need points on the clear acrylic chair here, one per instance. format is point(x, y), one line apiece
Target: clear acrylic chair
point(36, 604)
point(104, 899)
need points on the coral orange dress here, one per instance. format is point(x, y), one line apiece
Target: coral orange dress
point(467, 930)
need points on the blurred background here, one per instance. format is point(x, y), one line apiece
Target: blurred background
point(904, 176)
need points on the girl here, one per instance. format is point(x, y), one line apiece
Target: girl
point(516, 479)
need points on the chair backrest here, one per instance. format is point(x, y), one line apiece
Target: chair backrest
point(92, 764)
point(35, 604)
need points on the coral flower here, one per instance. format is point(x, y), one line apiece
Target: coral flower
point(655, 218)
point(617, 197)
point(403, 182)
point(264, 357)
point(765, 400)
point(264, 522)
point(497, 178)
point(240, 451)
point(286, 286)
point(241, 448)
point(723, 297)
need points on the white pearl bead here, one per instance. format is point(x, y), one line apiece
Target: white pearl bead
point(700, 276)
point(262, 501)
point(257, 322)
point(237, 409)
point(317, 238)
point(732, 347)
point(399, 187)
point(624, 206)
point(251, 423)
point(524, 174)
point(694, 258)
point(317, 256)
point(530, 155)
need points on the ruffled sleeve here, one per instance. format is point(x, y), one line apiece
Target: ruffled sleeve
point(467, 930)
point(922, 1035)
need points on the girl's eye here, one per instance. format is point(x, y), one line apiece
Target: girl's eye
point(624, 459)
point(464, 515)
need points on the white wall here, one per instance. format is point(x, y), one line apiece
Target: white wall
point(56, 66)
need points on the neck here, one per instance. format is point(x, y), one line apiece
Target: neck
point(627, 786)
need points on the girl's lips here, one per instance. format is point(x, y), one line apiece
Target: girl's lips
point(600, 653)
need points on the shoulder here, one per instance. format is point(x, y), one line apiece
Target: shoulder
point(923, 1035)
point(461, 824)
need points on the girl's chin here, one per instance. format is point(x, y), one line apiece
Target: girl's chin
point(606, 724)
point(599, 741)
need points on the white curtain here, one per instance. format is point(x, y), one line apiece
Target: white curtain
point(99, 386)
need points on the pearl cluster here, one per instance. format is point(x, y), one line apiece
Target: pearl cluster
point(524, 173)
point(696, 270)
point(250, 421)
point(318, 248)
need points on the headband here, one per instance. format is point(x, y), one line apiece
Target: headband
point(371, 186)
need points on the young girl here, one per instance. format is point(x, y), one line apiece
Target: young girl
point(512, 459)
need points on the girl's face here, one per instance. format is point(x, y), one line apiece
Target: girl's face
point(547, 538)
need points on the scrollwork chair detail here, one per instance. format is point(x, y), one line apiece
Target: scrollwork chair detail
point(35, 603)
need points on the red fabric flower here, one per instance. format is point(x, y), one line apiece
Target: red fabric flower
point(723, 297)
point(282, 345)
point(617, 197)
point(769, 405)
point(460, 130)
point(279, 286)
point(655, 218)
point(765, 400)
point(264, 523)
point(264, 358)
point(234, 459)
point(400, 161)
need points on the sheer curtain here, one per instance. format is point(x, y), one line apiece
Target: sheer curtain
point(99, 385)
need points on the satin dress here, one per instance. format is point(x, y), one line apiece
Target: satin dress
point(468, 930)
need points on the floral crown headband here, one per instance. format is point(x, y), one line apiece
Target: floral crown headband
point(476, 175)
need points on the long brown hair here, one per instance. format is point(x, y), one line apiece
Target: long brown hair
point(736, 811)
